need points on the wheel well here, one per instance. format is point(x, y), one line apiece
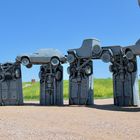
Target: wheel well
point(55, 57)
point(128, 49)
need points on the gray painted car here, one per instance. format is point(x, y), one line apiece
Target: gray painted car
point(42, 56)
point(131, 51)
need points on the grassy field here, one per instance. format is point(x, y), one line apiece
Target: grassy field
point(102, 89)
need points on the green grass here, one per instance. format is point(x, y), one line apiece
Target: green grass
point(102, 89)
point(31, 92)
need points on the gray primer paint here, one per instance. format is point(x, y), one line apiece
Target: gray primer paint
point(10, 84)
point(51, 85)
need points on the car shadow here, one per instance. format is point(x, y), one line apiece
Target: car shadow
point(111, 107)
point(37, 104)
point(107, 107)
point(31, 104)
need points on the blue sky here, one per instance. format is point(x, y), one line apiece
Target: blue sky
point(27, 25)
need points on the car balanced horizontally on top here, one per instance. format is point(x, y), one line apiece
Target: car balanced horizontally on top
point(123, 66)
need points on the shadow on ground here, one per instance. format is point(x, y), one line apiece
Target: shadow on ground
point(111, 107)
point(108, 107)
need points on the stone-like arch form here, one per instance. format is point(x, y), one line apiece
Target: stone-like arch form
point(11, 84)
point(81, 71)
point(51, 74)
point(125, 78)
point(51, 78)
point(123, 66)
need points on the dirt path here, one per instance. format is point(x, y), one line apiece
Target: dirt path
point(101, 121)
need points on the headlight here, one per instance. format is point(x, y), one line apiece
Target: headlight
point(17, 73)
point(55, 61)
point(88, 70)
point(70, 58)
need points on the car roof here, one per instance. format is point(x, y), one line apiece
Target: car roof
point(49, 52)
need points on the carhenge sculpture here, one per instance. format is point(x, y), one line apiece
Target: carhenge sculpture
point(123, 66)
point(51, 79)
point(80, 72)
point(125, 77)
point(10, 84)
point(51, 74)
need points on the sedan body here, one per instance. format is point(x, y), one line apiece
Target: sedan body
point(43, 56)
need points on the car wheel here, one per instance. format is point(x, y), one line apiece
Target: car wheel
point(58, 75)
point(96, 49)
point(71, 58)
point(130, 67)
point(106, 57)
point(25, 61)
point(129, 55)
point(29, 65)
point(55, 61)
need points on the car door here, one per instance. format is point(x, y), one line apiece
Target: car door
point(38, 58)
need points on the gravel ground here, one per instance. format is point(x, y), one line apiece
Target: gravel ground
point(102, 121)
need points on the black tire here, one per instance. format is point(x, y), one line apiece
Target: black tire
point(55, 61)
point(130, 67)
point(97, 49)
point(129, 55)
point(71, 58)
point(106, 57)
point(25, 61)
